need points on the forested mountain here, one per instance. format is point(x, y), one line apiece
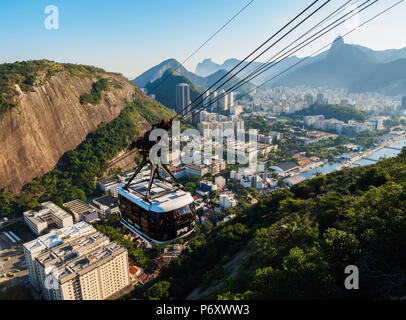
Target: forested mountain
point(74, 175)
point(296, 243)
point(206, 66)
point(164, 88)
point(356, 68)
point(387, 78)
point(157, 72)
point(48, 108)
point(213, 78)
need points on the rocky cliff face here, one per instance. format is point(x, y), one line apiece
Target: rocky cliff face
point(50, 121)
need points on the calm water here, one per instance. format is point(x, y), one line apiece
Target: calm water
point(383, 153)
point(364, 162)
point(325, 168)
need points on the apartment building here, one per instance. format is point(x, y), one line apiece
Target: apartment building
point(172, 253)
point(227, 200)
point(50, 213)
point(86, 267)
point(110, 185)
point(43, 243)
point(81, 210)
point(201, 170)
point(106, 205)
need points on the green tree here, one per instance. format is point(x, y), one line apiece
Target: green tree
point(159, 291)
point(341, 247)
point(6, 202)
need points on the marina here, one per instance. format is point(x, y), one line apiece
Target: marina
point(390, 149)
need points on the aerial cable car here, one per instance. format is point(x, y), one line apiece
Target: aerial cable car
point(158, 210)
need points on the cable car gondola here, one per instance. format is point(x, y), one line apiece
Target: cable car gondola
point(158, 210)
point(167, 216)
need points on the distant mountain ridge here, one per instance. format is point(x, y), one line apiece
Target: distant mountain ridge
point(157, 72)
point(387, 78)
point(165, 92)
point(207, 66)
point(358, 68)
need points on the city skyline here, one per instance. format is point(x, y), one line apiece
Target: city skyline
point(130, 37)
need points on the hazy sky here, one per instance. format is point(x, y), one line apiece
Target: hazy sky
point(130, 36)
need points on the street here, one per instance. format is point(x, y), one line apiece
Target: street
point(12, 264)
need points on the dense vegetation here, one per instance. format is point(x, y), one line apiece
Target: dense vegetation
point(139, 256)
point(330, 111)
point(28, 74)
point(299, 241)
point(94, 97)
point(75, 175)
point(166, 92)
point(5, 105)
point(17, 292)
point(258, 123)
point(325, 149)
point(368, 139)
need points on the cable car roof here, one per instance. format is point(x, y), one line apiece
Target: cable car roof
point(163, 197)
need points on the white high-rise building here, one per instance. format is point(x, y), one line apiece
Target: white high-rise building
point(213, 101)
point(309, 100)
point(223, 100)
point(203, 116)
point(230, 100)
point(182, 98)
point(320, 98)
point(292, 108)
point(83, 266)
point(227, 200)
point(206, 99)
point(42, 244)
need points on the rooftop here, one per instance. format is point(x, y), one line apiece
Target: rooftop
point(286, 166)
point(78, 206)
point(56, 237)
point(109, 181)
point(163, 196)
point(349, 155)
point(294, 179)
point(108, 201)
point(47, 208)
point(134, 270)
point(80, 255)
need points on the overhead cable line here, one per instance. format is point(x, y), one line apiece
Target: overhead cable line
point(201, 46)
point(328, 18)
point(266, 66)
point(262, 66)
point(326, 46)
point(242, 82)
point(258, 48)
